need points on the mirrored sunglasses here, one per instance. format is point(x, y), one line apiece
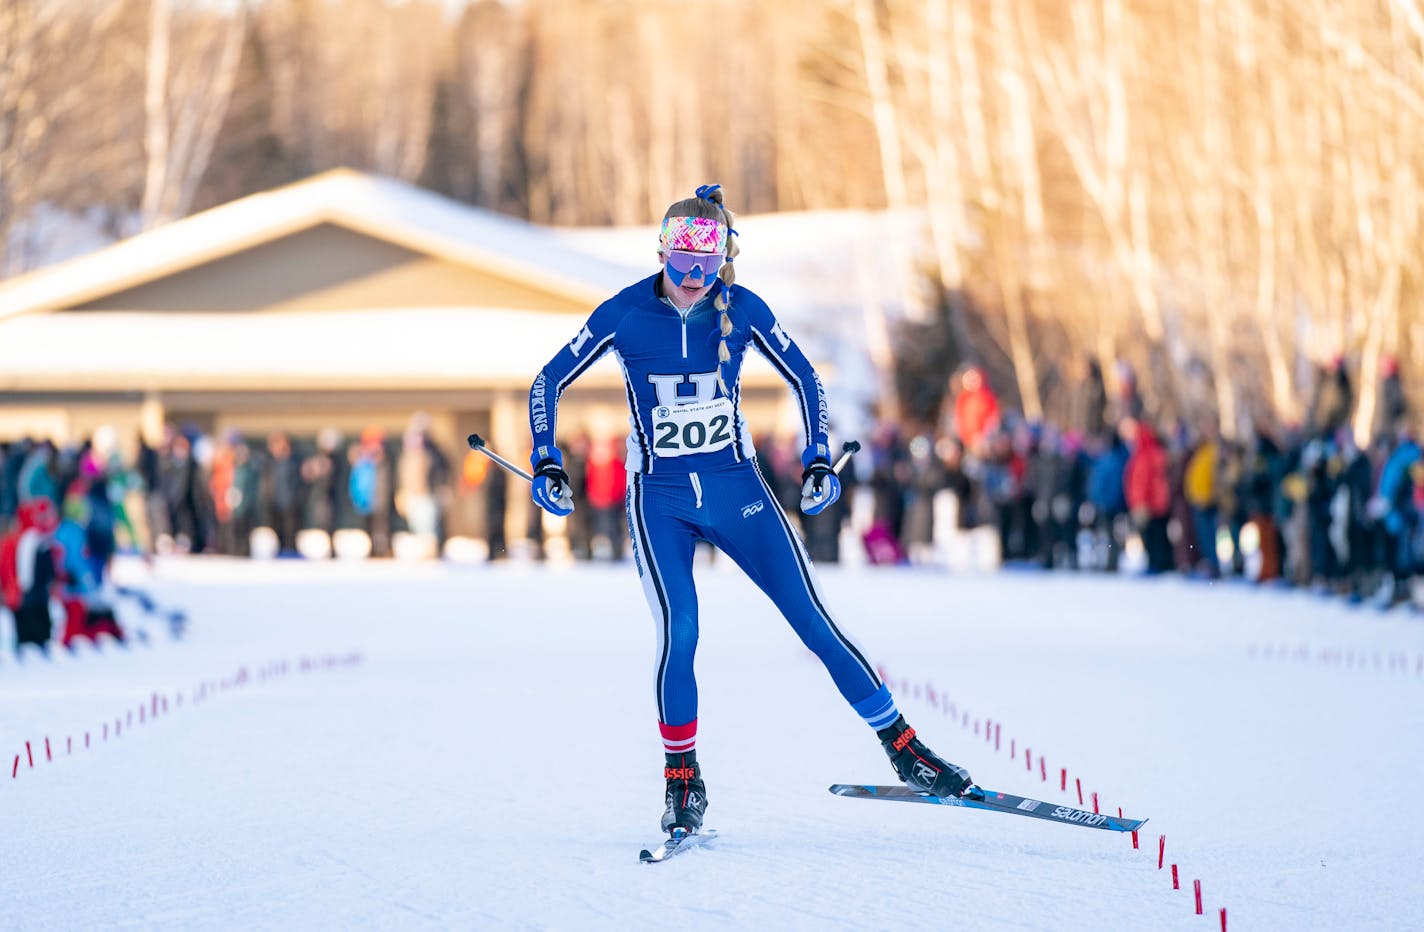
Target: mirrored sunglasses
point(681, 264)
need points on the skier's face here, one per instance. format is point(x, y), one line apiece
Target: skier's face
point(688, 288)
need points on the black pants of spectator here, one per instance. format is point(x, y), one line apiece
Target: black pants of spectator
point(33, 624)
point(1324, 562)
point(1058, 532)
point(1158, 545)
point(235, 535)
point(1109, 533)
point(497, 546)
point(609, 523)
point(188, 524)
point(1204, 524)
point(287, 522)
point(378, 528)
point(1401, 558)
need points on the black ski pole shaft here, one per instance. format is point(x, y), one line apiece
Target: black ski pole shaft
point(847, 448)
point(477, 443)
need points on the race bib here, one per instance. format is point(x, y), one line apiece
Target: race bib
point(697, 428)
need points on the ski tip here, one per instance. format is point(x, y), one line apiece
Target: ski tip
point(645, 855)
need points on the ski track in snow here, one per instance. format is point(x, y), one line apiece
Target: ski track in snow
point(492, 760)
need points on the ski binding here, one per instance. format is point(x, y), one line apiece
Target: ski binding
point(679, 842)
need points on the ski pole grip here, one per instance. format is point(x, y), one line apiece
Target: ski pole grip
point(847, 448)
point(478, 443)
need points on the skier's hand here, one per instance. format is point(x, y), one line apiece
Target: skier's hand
point(551, 490)
point(820, 486)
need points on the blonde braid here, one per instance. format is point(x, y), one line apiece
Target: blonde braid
point(723, 301)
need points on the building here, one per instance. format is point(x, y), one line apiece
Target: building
point(345, 300)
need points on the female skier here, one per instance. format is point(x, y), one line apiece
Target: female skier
point(680, 336)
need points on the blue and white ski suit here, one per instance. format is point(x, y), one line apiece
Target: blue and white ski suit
point(692, 475)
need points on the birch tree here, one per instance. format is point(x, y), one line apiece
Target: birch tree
point(191, 65)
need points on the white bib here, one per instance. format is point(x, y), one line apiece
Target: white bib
point(696, 428)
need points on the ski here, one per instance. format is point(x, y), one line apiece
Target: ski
point(992, 801)
point(676, 845)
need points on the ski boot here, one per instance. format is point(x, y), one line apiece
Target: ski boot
point(919, 767)
point(686, 794)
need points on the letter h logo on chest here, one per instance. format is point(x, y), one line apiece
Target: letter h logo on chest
point(669, 388)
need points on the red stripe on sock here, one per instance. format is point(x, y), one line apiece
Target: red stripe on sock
point(679, 738)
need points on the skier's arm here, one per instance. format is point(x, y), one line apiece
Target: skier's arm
point(786, 357)
point(551, 484)
point(820, 486)
point(591, 342)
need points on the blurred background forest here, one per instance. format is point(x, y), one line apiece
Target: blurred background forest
point(1222, 195)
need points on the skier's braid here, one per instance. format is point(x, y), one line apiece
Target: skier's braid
point(708, 204)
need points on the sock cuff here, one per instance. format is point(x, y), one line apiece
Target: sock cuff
point(878, 709)
point(679, 739)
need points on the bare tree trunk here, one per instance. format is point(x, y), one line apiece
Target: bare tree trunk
point(184, 104)
point(1018, 139)
point(155, 100)
point(1098, 147)
point(892, 169)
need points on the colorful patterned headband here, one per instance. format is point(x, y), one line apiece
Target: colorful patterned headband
point(694, 234)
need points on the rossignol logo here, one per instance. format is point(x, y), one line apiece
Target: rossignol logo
point(753, 508)
point(1078, 816)
point(925, 773)
point(538, 408)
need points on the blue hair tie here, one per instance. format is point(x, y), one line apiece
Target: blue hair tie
point(705, 192)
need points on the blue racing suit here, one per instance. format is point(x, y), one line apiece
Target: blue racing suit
point(692, 475)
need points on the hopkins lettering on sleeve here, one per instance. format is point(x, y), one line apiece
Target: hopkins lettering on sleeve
point(538, 404)
point(823, 416)
point(576, 345)
point(781, 337)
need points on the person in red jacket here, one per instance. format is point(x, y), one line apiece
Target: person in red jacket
point(1148, 494)
point(606, 485)
point(976, 409)
point(31, 562)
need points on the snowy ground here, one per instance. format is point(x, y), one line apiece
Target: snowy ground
point(485, 756)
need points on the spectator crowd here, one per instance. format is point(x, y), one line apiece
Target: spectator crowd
point(1107, 489)
point(1110, 489)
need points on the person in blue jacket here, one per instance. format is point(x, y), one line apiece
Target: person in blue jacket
point(680, 336)
point(1394, 506)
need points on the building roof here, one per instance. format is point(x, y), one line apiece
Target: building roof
point(819, 271)
point(380, 207)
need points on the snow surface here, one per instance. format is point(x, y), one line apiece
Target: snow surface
point(492, 761)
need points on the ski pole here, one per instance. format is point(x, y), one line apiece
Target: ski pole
point(847, 448)
point(477, 443)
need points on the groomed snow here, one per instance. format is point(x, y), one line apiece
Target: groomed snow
point(492, 761)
